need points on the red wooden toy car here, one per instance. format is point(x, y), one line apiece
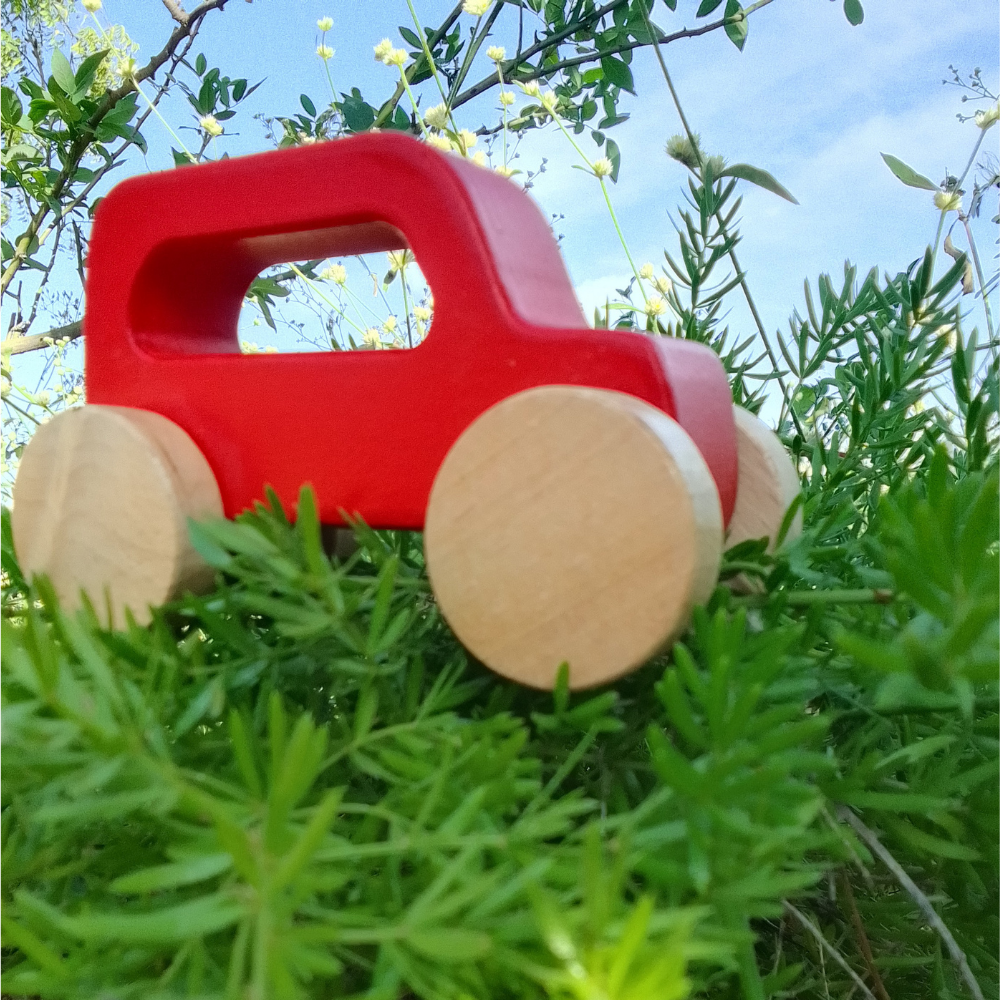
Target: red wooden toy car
point(528, 505)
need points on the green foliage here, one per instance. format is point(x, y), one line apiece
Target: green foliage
point(298, 786)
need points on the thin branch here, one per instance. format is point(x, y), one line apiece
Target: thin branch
point(16, 344)
point(829, 949)
point(177, 12)
point(923, 903)
point(390, 105)
point(79, 146)
point(741, 276)
point(861, 935)
point(543, 71)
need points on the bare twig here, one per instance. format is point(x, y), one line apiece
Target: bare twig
point(177, 12)
point(829, 949)
point(923, 903)
point(861, 935)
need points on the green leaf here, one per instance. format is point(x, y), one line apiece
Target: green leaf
point(613, 153)
point(187, 872)
point(706, 7)
point(200, 64)
point(183, 922)
point(908, 175)
point(10, 107)
point(450, 944)
point(87, 71)
point(618, 73)
point(736, 30)
point(307, 104)
point(854, 12)
point(63, 73)
point(745, 172)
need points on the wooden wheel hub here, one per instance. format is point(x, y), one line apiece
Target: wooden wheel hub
point(571, 524)
point(101, 504)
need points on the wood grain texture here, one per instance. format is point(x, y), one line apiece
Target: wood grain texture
point(101, 503)
point(571, 524)
point(768, 483)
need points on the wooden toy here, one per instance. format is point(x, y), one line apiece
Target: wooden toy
point(575, 483)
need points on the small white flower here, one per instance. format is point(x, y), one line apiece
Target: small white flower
point(467, 140)
point(476, 7)
point(506, 98)
point(437, 117)
point(664, 284)
point(531, 88)
point(371, 337)
point(127, 67)
point(389, 325)
point(549, 100)
point(439, 142)
point(324, 52)
point(603, 167)
point(398, 259)
point(336, 273)
point(210, 126)
point(655, 306)
point(270, 349)
point(421, 314)
point(504, 171)
point(91, 6)
point(984, 119)
point(324, 23)
point(646, 272)
point(479, 159)
point(497, 53)
point(397, 57)
point(948, 201)
point(382, 50)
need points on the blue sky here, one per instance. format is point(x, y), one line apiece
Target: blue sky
point(810, 99)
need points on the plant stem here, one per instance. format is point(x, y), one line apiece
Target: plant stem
point(923, 903)
point(982, 286)
point(722, 226)
point(861, 935)
point(829, 949)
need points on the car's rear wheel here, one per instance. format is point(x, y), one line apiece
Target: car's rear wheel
point(101, 503)
point(571, 524)
point(767, 484)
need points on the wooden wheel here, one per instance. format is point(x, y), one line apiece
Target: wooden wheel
point(101, 503)
point(571, 524)
point(768, 483)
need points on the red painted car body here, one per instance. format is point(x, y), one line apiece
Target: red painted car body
point(173, 253)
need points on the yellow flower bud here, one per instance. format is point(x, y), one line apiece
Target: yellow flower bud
point(467, 139)
point(479, 159)
point(646, 272)
point(948, 201)
point(476, 7)
point(664, 284)
point(324, 52)
point(398, 259)
point(336, 273)
point(655, 306)
point(506, 98)
point(531, 88)
point(439, 142)
point(371, 337)
point(421, 314)
point(496, 52)
point(389, 325)
point(437, 117)
point(504, 171)
point(91, 6)
point(382, 51)
point(210, 126)
point(984, 119)
point(549, 101)
point(324, 23)
point(603, 167)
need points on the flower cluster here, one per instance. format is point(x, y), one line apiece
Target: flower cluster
point(389, 56)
